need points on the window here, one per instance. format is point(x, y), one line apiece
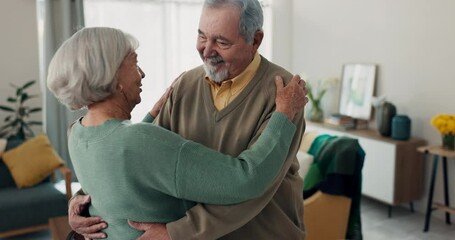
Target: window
point(167, 32)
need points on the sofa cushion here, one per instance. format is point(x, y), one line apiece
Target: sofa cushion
point(32, 161)
point(30, 206)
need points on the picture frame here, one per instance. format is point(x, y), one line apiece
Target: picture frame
point(357, 87)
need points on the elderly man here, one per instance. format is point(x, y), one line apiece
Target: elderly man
point(225, 104)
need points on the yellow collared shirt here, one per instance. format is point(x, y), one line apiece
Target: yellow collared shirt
point(228, 90)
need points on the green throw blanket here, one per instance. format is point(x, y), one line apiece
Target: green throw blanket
point(337, 170)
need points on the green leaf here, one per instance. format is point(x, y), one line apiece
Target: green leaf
point(28, 84)
point(24, 97)
point(13, 100)
point(35, 110)
point(5, 126)
point(32, 96)
point(27, 131)
point(34, 123)
point(8, 118)
point(12, 85)
point(5, 108)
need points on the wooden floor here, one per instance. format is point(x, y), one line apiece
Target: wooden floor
point(376, 225)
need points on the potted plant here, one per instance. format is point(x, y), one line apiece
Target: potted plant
point(315, 96)
point(17, 125)
point(445, 124)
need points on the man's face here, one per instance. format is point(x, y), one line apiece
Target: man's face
point(224, 52)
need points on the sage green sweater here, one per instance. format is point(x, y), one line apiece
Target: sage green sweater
point(143, 172)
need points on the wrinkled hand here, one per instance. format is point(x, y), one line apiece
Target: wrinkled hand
point(155, 231)
point(160, 103)
point(292, 98)
point(89, 227)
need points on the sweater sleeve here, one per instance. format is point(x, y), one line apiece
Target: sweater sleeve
point(148, 118)
point(233, 180)
point(205, 221)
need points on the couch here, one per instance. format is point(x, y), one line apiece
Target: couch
point(331, 168)
point(27, 209)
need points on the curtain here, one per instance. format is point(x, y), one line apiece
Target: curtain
point(57, 21)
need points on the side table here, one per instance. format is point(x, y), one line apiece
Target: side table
point(438, 152)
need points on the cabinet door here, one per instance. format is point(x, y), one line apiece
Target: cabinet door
point(378, 170)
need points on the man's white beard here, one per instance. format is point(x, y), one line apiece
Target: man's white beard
point(214, 75)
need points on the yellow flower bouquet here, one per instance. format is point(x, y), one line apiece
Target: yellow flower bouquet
point(445, 124)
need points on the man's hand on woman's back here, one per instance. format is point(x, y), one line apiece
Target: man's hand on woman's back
point(89, 227)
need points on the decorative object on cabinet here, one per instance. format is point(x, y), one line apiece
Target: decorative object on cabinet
point(438, 152)
point(445, 124)
point(357, 86)
point(401, 127)
point(385, 111)
point(315, 94)
point(393, 172)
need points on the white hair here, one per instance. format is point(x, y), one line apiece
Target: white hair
point(83, 70)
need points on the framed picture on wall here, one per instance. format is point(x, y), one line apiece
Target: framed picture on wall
point(357, 85)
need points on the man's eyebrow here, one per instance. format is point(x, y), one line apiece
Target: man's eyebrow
point(217, 37)
point(222, 38)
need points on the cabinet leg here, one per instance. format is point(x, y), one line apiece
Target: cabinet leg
point(430, 194)
point(446, 188)
point(411, 206)
point(389, 208)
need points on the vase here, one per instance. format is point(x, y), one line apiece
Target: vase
point(384, 115)
point(448, 141)
point(316, 114)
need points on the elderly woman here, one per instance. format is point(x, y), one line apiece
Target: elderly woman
point(143, 172)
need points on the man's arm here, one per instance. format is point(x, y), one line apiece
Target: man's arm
point(213, 221)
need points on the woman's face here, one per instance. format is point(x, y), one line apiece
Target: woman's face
point(130, 77)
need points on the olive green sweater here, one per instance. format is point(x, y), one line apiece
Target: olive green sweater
point(142, 172)
point(190, 112)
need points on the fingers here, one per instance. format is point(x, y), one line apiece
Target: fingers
point(93, 231)
point(138, 225)
point(79, 201)
point(296, 78)
point(89, 227)
point(290, 99)
point(99, 235)
point(279, 83)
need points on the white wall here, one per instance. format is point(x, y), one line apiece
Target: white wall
point(411, 41)
point(19, 52)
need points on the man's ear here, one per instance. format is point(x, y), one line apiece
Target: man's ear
point(257, 40)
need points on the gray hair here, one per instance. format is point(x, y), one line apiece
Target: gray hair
point(251, 16)
point(83, 70)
